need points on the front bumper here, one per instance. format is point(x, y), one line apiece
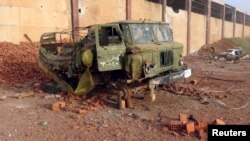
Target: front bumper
point(172, 77)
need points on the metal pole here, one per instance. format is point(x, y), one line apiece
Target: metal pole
point(189, 10)
point(208, 21)
point(234, 21)
point(128, 10)
point(223, 22)
point(164, 4)
point(244, 23)
point(75, 18)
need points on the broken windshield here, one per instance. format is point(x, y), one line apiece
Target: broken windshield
point(149, 33)
point(142, 33)
point(159, 33)
point(166, 32)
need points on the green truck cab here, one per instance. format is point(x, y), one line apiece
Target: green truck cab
point(123, 54)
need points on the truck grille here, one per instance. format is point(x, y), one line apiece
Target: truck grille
point(166, 58)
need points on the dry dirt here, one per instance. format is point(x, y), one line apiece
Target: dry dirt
point(222, 91)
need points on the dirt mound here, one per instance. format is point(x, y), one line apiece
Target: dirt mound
point(223, 45)
point(18, 63)
point(217, 47)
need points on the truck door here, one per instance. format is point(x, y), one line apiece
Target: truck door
point(110, 48)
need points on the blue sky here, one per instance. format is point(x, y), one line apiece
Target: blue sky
point(241, 4)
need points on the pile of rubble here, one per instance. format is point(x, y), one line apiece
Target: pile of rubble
point(188, 125)
point(185, 89)
point(18, 63)
point(223, 50)
point(77, 105)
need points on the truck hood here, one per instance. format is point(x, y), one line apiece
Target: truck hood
point(154, 47)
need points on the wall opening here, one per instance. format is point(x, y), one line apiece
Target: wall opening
point(247, 21)
point(199, 6)
point(155, 1)
point(177, 5)
point(239, 17)
point(216, 10)
point(229, 13)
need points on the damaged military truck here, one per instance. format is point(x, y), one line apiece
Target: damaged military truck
point(124, 56)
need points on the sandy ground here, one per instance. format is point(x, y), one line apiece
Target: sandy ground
point(31, 119)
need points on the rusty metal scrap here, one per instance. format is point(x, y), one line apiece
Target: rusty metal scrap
point(183, 90)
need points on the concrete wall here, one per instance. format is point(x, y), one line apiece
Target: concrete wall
point(33, 18)
point(228, 29)
point(178, 22)
point(142, 9)
point(238, 30)
point(101, 11)
point(216, 29)
point(247, 31)
point(38, 16)
point(198, 31)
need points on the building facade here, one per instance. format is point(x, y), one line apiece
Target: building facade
point(194, 22)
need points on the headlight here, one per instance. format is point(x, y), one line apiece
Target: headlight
point(181, 62)
point(149, 68)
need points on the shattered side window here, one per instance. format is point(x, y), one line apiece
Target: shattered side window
point(109, 36)
point(167, 32)
point(142, 33)
point(126, 33)
point(158, 33)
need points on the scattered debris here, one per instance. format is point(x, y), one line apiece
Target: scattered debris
point(225, 106)
point(51, 88)
point(201, 124)
point(77, 116)
point(18, 63)
point(82, 111)
point(52, 96)
point(22, 95)
point(2, 98)
point(165, 130)
point(183, 134)
point(122, 104)
point(183, 118)
point(76, 127)
point(190, 127)
point(175, 133)
point(194, 82)
point(30, 41)
point(245, 57)
point(133, 115)
point(58, 106)
point(37, 85)
point(224, 79)
point(192, 118)
point(183, 90)
point(219, 122)
point(201, 134)
point(176, 125)
point(44, 123)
